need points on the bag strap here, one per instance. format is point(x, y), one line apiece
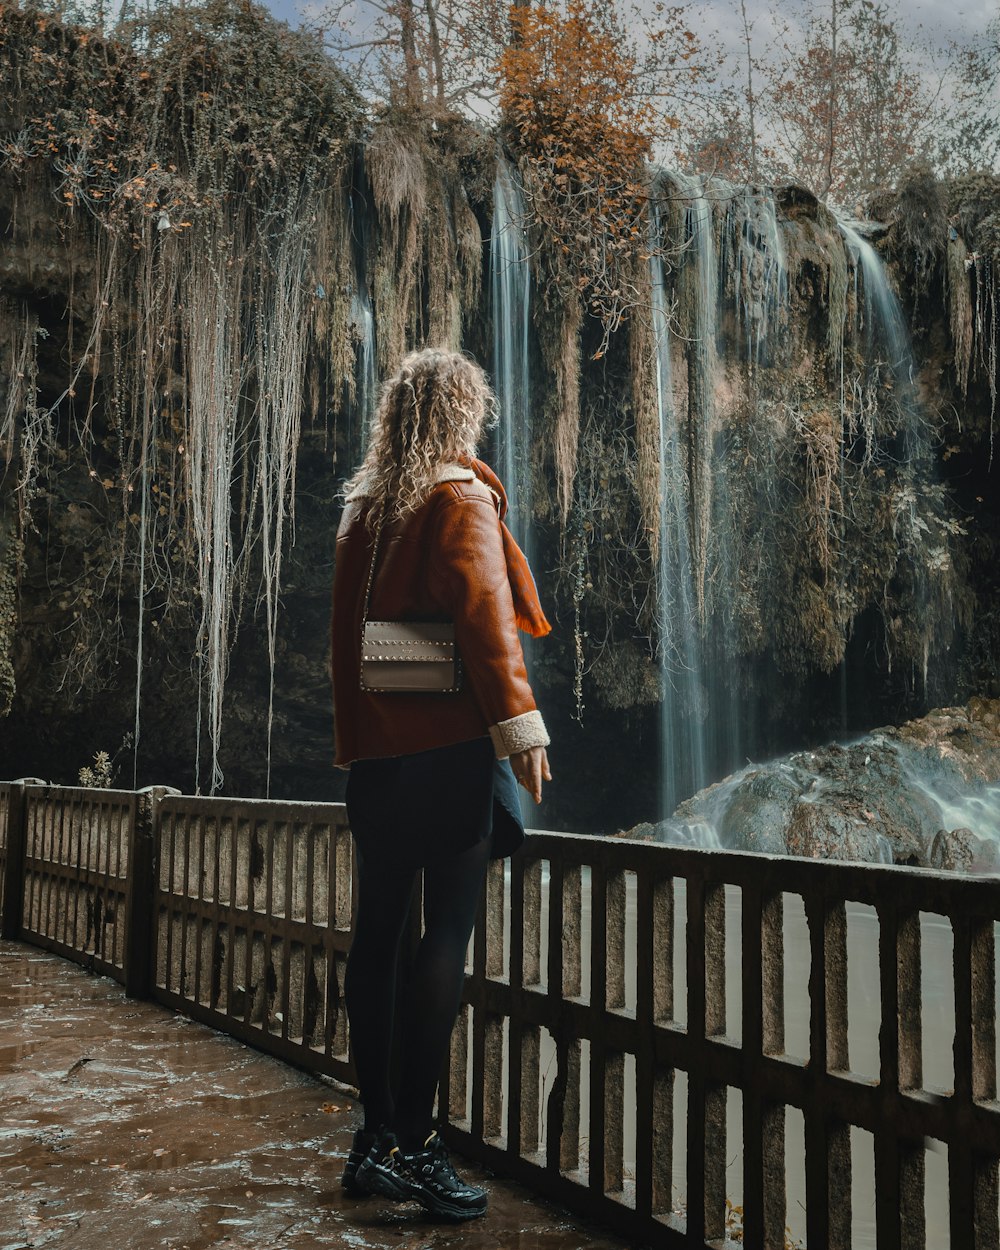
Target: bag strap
point(371, 573)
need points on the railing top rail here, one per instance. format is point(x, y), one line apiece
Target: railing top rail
point(78, 794)
point(325, 813)
point(877, 885)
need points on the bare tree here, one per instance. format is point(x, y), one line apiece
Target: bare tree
point(850, 109)
point(831, 108)
point(750, 94)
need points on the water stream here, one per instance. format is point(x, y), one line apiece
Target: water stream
point(760, 270)
point(683, 764)
point(366, 380)
point(879, 309)
point(510, 284)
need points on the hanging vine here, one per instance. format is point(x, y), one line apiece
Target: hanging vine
point(195, 149)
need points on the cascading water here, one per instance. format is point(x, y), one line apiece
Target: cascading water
point(883, 325)
point(879, 309)
point(511, 301)
point(700, 297)
point(760, 269)
point(683, 766)
point(362, 317)
point(366, 382)
point(715, 575)
point(707, 724)
point(510, 291)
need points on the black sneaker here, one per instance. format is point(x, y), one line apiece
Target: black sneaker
point(380, 1170)
point(425, 1176)
point(363, 1142)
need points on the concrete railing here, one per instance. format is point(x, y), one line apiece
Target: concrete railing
point(659, 1038)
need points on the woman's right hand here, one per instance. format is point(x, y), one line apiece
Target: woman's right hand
point(531, 767)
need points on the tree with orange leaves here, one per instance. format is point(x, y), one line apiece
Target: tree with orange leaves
point(580, 108)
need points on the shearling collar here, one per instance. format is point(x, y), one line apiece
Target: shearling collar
point(454, 473)
point(444, 473)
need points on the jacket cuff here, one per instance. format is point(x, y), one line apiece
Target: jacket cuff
point(520, 733)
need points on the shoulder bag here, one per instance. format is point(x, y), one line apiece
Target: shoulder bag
point(417, 657)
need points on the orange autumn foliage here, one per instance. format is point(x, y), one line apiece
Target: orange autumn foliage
point(569, 98)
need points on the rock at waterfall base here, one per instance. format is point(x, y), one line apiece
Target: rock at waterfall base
point(926, 793)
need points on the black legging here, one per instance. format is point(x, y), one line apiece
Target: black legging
point(452, 890)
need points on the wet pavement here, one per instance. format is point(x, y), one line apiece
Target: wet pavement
point(126, 1127)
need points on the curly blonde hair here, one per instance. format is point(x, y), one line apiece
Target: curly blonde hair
point(432, 411)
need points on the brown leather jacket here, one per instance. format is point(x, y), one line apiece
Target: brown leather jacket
point(445, 561)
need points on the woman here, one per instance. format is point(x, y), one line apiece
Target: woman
point(432, 775)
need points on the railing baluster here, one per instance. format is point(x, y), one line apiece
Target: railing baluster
point(598, 988)
point(454, 1092)
point(645, 901)
point(570, 931)
point(662, 1142)
point(532, 937)
point(828, 1141)
point(706, 977)
point(195, 892)
point(515, 1059)
point(16, 843)
point(614, 1131)
point(529, 1068)
point(912, 1157)
point(562, 1128)
point(888, 1157)
point(494, 919)
point(492, 1082)
point(614, 953)
point(568, 1139)
point(479, 1026)
point(763, 1034)
point(961, 1159)
point(986, 1194)
point(663, 951)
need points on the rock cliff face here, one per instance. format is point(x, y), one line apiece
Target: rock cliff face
point(781, 521)
point(924, 793)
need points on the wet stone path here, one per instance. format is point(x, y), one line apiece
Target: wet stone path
point(126, 1127)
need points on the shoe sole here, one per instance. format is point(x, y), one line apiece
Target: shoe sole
point(399, 1190)
point(445, 1210)
point(375, 1181)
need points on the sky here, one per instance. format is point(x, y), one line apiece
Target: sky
point(940, 22)
point(928, 27)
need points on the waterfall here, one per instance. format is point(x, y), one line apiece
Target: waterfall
point(760, 270)
point(881, 319)
point(715, 575)
point(699, 283)
point(511, 298)
point(366, 381)
point(682, 737)
point(362, 318)
point(878, 306)
point(708, 723)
